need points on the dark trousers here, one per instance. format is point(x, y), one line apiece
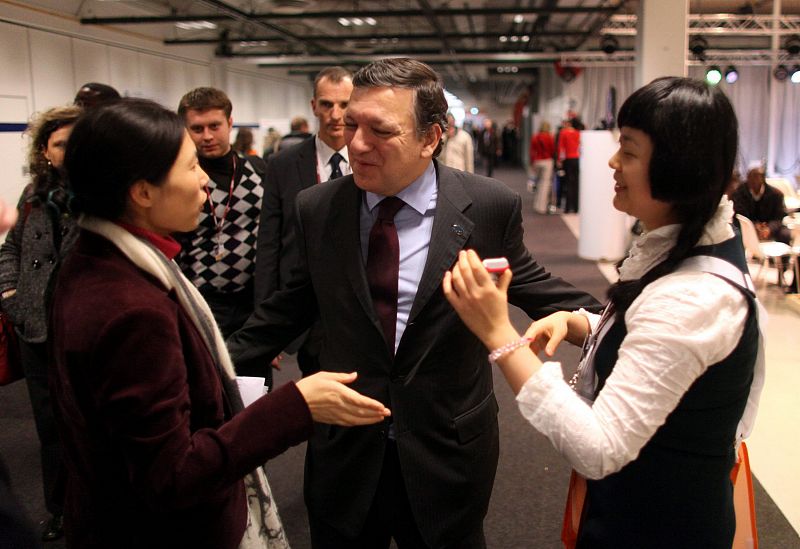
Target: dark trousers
point(35, 365)
point(389, 517)
point(491, 162)
point(572, 177)
point(231, 310)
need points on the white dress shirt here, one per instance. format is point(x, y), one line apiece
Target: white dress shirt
point(414, 224)
point(324, 153)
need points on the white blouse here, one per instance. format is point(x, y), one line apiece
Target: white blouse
point(677, 327)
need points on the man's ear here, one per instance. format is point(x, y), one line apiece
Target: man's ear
point(431, 140)
point(141, 194)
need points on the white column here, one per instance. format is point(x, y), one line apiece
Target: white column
point(661, 40)
point(774, 114)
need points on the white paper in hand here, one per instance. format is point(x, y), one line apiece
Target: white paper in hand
point(251, 388)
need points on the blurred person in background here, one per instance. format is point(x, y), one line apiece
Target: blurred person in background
point(457, 151)
point(92, 94)
point(34, 248)
point(243, 144)
point(542, 156)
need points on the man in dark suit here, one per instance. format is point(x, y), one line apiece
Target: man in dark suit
point(423, 478)
point(317, 159)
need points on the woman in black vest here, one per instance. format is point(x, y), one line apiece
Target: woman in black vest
point(657, 407)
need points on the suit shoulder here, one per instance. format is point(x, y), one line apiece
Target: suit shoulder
point(478, 187)
point(327, 191)
point(290, 154)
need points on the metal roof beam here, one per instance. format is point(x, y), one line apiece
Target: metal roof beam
point(381, 36)
point(267, 16)
point(717, 24)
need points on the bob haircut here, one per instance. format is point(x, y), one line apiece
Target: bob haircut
point(695, 139)
point(430, 105)
point(115, 145)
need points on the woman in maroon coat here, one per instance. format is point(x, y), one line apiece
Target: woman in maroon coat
point(159, 448)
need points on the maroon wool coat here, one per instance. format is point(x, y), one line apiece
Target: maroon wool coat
point(153, 456)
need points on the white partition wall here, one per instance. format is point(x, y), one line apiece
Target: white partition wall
point(604, 230)
point(52, 57)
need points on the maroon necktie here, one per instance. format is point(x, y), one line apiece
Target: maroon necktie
point(383, 266)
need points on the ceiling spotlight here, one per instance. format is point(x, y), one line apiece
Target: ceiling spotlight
point(792, 44)
point(357, 21)
point(503, 38)
point(344, 21)
point(795, 74)
point(731, 74)
point(519, 18)
point(370, 21)
point(713, 75)
point(780, 73)
point(698, 46)
point(609, 44)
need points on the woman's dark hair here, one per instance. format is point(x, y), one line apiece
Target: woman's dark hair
point(695, 139)
point(430, 105)
point(116, 144)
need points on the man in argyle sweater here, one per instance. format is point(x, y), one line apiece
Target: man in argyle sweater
point(219, 256)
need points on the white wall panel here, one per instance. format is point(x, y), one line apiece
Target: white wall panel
point(273, 96)
point(124, 68)
point(152, 79)
point(196, 76)
point(15, 68)
point(90, 63)
point(175, 83)
point(51, 63)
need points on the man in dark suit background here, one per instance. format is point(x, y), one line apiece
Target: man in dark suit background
point(425, 477)
point(317, 159)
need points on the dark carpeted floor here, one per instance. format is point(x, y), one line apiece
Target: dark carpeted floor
point(528, 500)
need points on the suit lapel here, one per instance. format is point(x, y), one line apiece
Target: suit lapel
point(451, 230)
point(346, 235)
point(307, 164)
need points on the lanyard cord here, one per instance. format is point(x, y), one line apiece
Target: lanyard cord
point(218, 224)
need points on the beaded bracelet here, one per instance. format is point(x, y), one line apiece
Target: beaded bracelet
point(500, 352)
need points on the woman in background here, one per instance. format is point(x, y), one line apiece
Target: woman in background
point(542, 157)
point(159, 448)
point(666, 387)
point(243, 144)
point(43, 234)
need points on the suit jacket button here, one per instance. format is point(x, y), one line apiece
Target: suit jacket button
point(36, 264)
point(37, 235)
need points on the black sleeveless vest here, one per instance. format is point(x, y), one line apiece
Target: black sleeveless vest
point(677, 492)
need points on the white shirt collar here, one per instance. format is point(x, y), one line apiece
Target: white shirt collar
point(324, 152)
point(417, 195)
point(652, 247)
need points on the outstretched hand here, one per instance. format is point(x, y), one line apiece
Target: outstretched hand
point(332, 401)
point(481, 304)
point(548, 333)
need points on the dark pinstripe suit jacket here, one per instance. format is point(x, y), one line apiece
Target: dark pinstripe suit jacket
point(439, 383)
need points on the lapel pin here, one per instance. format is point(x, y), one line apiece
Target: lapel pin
point(458, 229)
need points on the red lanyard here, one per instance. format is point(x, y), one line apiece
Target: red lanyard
point(218, 224)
